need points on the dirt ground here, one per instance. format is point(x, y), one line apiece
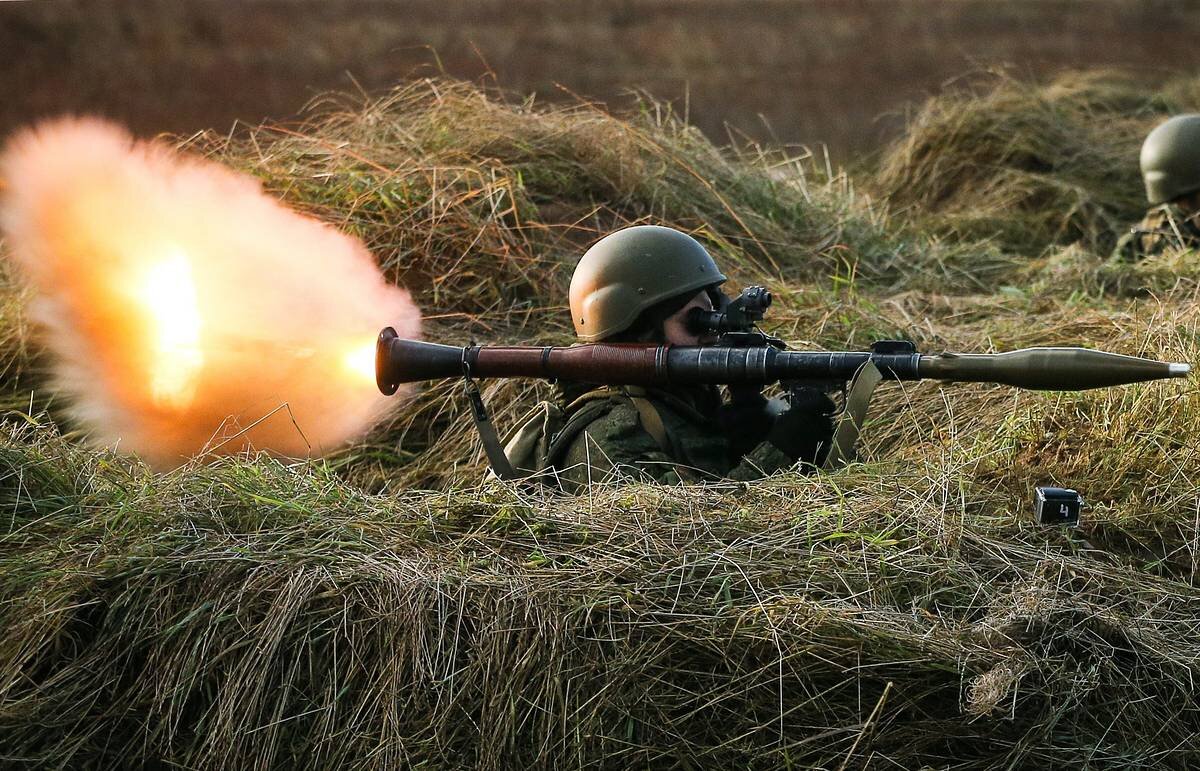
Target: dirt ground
point(802, 71)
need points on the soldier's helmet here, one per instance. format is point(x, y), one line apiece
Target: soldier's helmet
point(631, 270)
point(1170, 159)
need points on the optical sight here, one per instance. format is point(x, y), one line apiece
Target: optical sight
point(739, 315)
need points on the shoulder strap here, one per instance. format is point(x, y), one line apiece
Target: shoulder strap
point(652, 422)
point(858, 399)
point(497, 458)
point(580, 412)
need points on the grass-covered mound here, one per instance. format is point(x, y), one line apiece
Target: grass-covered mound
point(258, 615)
point(1031, 164)
point(378, 609)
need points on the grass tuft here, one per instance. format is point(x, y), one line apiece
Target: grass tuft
point(1030, 165)
point(382, 608)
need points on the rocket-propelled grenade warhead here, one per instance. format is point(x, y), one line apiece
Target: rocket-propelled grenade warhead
point(1049, 369)
point(1044, 369)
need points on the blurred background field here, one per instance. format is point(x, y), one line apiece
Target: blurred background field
point(381, 608)
point(797, 71)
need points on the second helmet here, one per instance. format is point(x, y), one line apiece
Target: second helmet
point(1171, 159)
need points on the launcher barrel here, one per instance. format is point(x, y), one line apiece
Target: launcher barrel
point(1067, 369)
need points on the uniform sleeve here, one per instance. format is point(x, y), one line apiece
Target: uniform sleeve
point(615, 444)
point(612, 445)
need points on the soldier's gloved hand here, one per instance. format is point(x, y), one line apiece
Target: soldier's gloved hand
point(805, 432)
point(745, 420)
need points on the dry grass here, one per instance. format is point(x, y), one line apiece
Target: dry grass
point(1030, 165)
point(19, 349)
point(254, 614)
point(380, 609)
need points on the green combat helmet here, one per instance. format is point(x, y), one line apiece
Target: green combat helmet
point(630, 270)
point(1171, 159)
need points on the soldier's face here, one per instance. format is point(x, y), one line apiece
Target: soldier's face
point(675, 328)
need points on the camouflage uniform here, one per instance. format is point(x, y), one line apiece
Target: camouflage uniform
point(615, 442)
point(1164, 228)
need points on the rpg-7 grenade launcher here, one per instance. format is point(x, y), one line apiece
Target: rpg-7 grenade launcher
point(746, 358)
point(745, 355)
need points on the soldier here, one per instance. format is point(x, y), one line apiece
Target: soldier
point(638, 285)
point(1170, 162)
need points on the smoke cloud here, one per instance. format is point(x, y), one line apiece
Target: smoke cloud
point(187, 311)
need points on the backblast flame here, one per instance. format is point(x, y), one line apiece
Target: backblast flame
point(169, 294)
point(360, 360)
point(187, 311)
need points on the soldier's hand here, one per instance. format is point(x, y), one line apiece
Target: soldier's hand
point(804, 432)
point(745, 420)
